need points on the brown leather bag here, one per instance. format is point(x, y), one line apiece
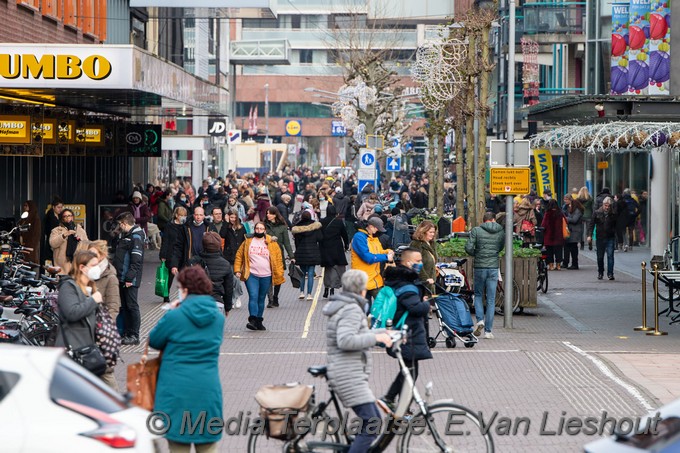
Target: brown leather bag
point(142, 378)
point(281, 402)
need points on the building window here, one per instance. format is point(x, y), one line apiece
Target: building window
point(71, 13)
point(86, 16)
point(347, 21)
point(51, 8)
point(260, 23)
point(306, 55)
point(296, 21)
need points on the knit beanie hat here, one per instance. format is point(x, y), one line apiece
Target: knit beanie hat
point(212, 242)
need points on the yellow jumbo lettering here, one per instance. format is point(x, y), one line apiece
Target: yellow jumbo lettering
point(45, 66)
point(68, 67)
point(96, 67)
point(6, 66)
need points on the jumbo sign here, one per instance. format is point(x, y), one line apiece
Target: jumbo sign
point(26, 66)
point(49, 66)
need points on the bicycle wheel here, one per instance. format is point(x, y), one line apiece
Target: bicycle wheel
point(260, 443)
point(542, 279)
point(456, 426)
point(40, 337)
point(500, 297)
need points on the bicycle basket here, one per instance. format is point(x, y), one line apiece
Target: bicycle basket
point(281, 405)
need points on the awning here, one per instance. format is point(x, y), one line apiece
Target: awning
point(121, 80)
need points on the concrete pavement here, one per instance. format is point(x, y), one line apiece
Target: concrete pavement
point(575, 355)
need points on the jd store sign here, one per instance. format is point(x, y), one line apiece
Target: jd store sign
point(217, 127)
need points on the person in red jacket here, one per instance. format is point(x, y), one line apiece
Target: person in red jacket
point(553, 236)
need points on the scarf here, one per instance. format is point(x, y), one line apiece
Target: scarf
point(71, 242)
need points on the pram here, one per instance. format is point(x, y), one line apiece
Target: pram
point(452, 306)
point(455, 321)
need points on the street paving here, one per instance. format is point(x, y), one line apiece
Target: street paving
point(576, 355)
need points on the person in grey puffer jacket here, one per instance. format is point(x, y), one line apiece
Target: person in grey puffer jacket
point(485, 244)
point(348, 341)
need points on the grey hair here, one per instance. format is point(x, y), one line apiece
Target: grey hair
point(626, 192)
point(607, 200)
point(354, 281)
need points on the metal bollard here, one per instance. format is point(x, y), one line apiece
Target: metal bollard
point(644, 327)
point(657, 332)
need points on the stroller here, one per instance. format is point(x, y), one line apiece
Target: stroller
point(452, 307)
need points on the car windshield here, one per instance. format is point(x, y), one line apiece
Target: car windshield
point(71, 382)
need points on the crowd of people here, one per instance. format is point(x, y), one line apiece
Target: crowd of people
point(237, 232)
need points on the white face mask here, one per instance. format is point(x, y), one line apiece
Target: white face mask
point(94, 273)
point(103, 265)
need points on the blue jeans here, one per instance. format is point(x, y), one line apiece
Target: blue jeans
point(309, 272)
point(368, 413)
point(485, 279)
point(605, 245)
point(257, 287)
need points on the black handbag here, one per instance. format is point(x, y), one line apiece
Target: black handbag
point(89, 357)
point(295, 274)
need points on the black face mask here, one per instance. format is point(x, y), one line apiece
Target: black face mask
point(258, 235)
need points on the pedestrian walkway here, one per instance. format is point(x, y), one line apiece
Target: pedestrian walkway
point(574, 355)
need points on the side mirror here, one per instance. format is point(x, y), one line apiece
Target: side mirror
point(24, 215)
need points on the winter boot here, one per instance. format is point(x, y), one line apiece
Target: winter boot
point(260, 326)
point(325, 293)
point(332, 291)
point(252, 323)
point(275, 302)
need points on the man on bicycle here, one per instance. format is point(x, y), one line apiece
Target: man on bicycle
point(485, 243)
point(349, 340)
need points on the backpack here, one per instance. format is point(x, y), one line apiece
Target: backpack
point(198, 261)
point(632, 208)
point(107, 337)
point(385, 306)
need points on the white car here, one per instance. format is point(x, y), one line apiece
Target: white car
point(48, 403)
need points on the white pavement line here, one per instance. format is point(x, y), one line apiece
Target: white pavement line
point(635, 393)
point(576, 324)
point(310, 313)
point(373, 352)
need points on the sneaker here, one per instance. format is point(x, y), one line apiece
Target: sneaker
point(301, 296)
point(130, 340)
point(237, 303)
point(488, 335)
point(599, 276)
point(611, 277)
point(310, 297)
point(479, 328)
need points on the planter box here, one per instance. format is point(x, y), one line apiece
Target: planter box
point(525, 275)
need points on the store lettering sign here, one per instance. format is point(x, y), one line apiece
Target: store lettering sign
point(15, 129)
point(49, 67)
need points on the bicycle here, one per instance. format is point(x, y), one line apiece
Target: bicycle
point(670, 263)
point(433, 420)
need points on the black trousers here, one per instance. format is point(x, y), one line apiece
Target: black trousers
point(570, 251)
point(395, 388)
point(129, 308)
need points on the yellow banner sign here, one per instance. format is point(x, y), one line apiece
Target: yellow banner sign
point(543, 164)
point(509, 181)
point(90, 135)
point(45, 131)
point(15, 129)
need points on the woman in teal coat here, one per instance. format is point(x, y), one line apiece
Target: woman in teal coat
point(190, 336)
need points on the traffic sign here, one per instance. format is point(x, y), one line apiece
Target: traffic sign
point(375, 141)
point(393, 164)
point(364, 182)
point(367, 158)
point(234, 137)
point(509, 181)
point(497, 158)
point(368, 174)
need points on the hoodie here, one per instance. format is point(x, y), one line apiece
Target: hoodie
point(485, 243)
point(348, 340)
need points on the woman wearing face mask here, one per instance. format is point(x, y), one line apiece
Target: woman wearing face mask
point(64, 240)
point(259, 264)
point(234, 237)
point(405, 282)
point(107, 283)
point(277, 228)
point(181, 200)
point(172, 231)
point(77, 302)
point(423, 241)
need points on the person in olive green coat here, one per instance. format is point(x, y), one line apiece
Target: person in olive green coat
point(277, 228)
point(486, 243)
point(423, 241)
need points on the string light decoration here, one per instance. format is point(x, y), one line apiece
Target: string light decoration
point(618, 136)
point(353, 98)
point(437, 72)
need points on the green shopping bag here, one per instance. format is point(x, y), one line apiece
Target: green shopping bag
point(162, 277)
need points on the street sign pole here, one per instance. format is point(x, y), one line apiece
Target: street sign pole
point(510, 160)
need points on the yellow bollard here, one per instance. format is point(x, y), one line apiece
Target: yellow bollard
point(644, 327)
point(657, 332)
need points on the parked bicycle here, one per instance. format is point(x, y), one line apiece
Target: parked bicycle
point(429, 428)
